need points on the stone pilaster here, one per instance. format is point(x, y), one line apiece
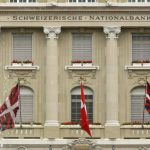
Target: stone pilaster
point(112, 81)
point(51, 106)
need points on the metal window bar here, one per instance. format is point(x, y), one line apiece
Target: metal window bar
point(137, 104)
point(76, 107)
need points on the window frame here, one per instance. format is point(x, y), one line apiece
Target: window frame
point(138, 1)
point(74, 49)
point(137, 104)
point(12, 49)
point(22, 113)
point(18, 1)
point(88, 102)
point(78, 1)
point(142, 53)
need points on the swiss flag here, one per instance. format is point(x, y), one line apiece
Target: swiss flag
point(83, 114)
point(9, 108)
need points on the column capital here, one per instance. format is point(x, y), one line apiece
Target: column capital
point(52, 32)
point(112, 32)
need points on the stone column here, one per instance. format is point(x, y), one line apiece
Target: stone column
point(112, 81)
point(51, 106)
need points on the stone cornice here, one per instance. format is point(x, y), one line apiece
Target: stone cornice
point(95, 7)
point(132, 142)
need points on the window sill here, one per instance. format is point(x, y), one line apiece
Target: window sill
point(22, 67)
point(137, 67)
point(81, 67)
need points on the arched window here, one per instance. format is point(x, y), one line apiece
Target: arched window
point(137, 105)
point(26, 99)
point(76, 104)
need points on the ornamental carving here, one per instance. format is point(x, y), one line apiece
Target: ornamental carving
point(21, 148)
point(84, 73)
point(52, 32)
point(142, 148)
point(21, 71)
point(82, 142)
point(138, 73)
point(112, 32)
point(18, 74)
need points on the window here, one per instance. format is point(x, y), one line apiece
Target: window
point(82, 47)
point(22, 47)
point(76, 104)
point(140, 47)
point(137, 105)
point(139, 1)
point(81, 1)
point(22, 1)
point(26, 99)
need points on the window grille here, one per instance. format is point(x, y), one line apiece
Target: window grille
point(76, 104)
point(137, 105)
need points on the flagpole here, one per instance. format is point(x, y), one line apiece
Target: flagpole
point(82, 133)
point(144, 103)
point(19, 103)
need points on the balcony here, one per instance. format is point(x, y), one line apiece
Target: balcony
point(25, 131)
point(75, 131)
point(135, 131)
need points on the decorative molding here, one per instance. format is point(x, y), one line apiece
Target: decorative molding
point(22, 71)
point(21, 148)
point(81, 68)
point(67, 147)
point(52, 32)
point(137, 67)
point(82, 141)
point(83, 74)
point(95, 4)
point(84, 80)
point(142, 148)
point(51, 123)
point(59, 142)
point(134, 71)
point(112, 32)
point(141, 81)
point(22, 67)
point(82, 71)
point(112, 123)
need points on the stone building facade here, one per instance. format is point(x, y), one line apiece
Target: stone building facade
point(104, 44)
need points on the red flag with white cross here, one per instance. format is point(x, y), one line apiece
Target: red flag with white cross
point(9, 108)
point(83, 114)
point(147, 97)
